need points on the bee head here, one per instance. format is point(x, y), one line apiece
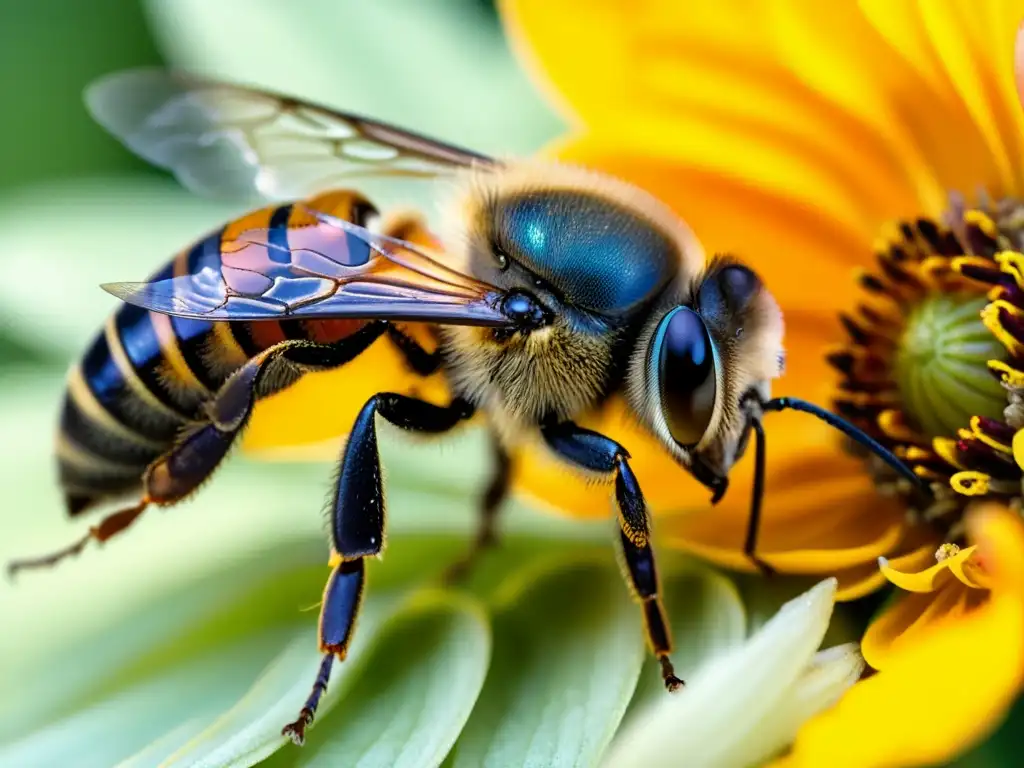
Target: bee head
point(700, 358)
point(701, 377)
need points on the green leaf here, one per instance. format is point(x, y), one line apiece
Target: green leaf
point(251, 729)
point(568, 650)
point(130, 719)
point(206, 610)
point(412, 696)
point(158, 750)
point(400, 698)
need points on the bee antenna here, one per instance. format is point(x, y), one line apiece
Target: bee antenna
point(848, 429)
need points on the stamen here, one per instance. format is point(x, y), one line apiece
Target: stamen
point(977, 268)
point(1008, 375)
point(946, 449)
point(1012, 264)
point(970, 483)
point(946, 551)
point(894, 424)
point(992, 433)
point(934, 366)
point(1003, 320)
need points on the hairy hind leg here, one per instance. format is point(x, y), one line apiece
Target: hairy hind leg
point(197, 454)
point(109, 526)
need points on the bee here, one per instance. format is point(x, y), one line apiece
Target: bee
point(550, 291)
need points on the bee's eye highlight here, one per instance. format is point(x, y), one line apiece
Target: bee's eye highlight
point(685, 363)
point(502, 260)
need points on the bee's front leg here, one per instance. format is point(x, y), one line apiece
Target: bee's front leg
point(357, 525)
point(596, 453)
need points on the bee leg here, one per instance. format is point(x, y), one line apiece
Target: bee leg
point(109, 526)
point(357, 523)
point(177, 473)
point(596, 453)
point(486, 535)
point(343, 596)
point(198, 453)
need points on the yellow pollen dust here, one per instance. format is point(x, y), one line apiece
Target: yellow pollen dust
point(946, 551)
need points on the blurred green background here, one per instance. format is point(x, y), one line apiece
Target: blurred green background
point(49, 50)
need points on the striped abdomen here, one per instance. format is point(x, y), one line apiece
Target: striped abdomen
point(146, 376)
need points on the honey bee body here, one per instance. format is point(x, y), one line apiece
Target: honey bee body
point(549, 292)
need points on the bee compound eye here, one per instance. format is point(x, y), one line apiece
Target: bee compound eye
point(687, 386)
point(502, 260)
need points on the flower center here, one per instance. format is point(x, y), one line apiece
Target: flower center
point(934, 366)
point(941, 364)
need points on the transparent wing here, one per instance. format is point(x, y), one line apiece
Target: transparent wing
point(224, 140)
point(329, 268)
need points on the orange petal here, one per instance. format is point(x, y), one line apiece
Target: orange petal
point(961, 54)
point(709, 88)
point(945, 686)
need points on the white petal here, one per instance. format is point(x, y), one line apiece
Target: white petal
point(827, 677)
point(709, 722)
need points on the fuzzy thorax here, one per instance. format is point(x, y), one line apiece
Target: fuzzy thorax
point(520, 380)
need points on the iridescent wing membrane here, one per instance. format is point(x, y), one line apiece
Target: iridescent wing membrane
point(227, 140)
point(224, 140)
point(327, 268)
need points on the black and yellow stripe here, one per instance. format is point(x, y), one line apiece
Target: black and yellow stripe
point(146, 376)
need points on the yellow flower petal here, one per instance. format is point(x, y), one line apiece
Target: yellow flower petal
point(857, 582)
point(323, 406)
point(967, 572)
point(911, 616)
point(935, 699)
point(945, 686)
point(928, 580)
point(1018, 448)
point(706, 86)
point(960, 53)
